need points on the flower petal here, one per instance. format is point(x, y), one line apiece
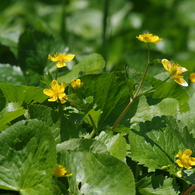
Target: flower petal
point(69, 57)
point(179, 79)
point(62, 87)
point(178, 161)
point(60, 64)
point(192, 160)
point(187, 152)
point(53, 99)
point(179, 154)
point(53, 59)
point(180, 70)
point(192, 77)
point(166, 64)
point(48, 92)
point(149, 38)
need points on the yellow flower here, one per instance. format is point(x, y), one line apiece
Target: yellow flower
point(56, 93)
point(61, 58)
point(76, 84)
point(61, 171)
point(149, 38)
point(184, 159)
point(175, 70)
point(179, 173)
point(192, 77)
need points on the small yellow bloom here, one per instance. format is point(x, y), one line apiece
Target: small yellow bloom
point(61, 171)
point(175, 70)
point(76, 84)
point(184, 159)
point(61, 58)
point(149, 38)
point(179, 173)
point(56, 93)
point(192, 77)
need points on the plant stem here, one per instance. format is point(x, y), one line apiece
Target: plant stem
point(189, 190)
point(90, 136)
point(56, 76)
point(63, 30)
point(154, 87)
point(123, 113)
point(93, 124)
point(144, 75)
point(104, 29)
point(132, 100)
point(60, 108)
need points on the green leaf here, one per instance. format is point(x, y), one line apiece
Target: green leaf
point(138, 61)
point(22, 94)
point(154, 144)
point(34, 47)
point(157, 185)
point(116, 144)
point(89, 169)
point(84, 24)
point(11, 74)
point(93, 63)
point(82, 145)
point(109, 95)
point(27, 158)
point(61, 127)
point(189, 175)
point(10, 112)
point(183, 128)
point(169, 90)
point(167, 107)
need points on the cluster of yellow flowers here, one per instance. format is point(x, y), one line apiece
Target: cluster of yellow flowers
point(184, 159)
point(174, 69)
point(57, 92)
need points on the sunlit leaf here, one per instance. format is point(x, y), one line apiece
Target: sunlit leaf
point(157, 185)
point(93, 63)
point(115, 144)
point(22, 94)
point(88, 168)
point(154, 144)
point(27, 158)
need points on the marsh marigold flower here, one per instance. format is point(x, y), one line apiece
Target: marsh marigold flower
point(61, 171)
point(184, 159)
point(56, 93)
point(61, 58)
point(76, 83)
point(175, 70)
point(192, 77)
point(149, 38)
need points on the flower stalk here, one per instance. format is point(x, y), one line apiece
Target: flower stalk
point(95, 130)
point(147, 38)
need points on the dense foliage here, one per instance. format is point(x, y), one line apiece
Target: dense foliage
point(90, 103)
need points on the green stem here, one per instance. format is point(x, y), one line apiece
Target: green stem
point(63, 30)
point(132, 100)
point(61, 111)
point(93, 124)
point(104, 29)
point(91, 135)
point(154, 87)
point(144, 75)
point(189, 190)
point(56, 76)
point(123, 113)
